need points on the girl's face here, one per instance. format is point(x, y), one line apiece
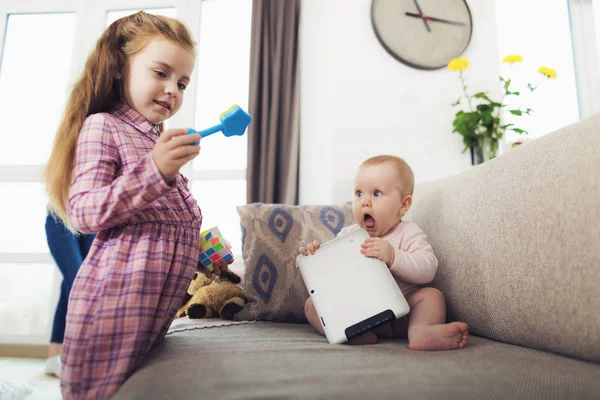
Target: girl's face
point(155, 79)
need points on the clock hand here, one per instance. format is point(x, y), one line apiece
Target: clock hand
point(422, 16)
point(445, 21)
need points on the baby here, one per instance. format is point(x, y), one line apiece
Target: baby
point(383, 188)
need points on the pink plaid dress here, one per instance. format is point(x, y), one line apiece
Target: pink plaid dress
point(136, 274)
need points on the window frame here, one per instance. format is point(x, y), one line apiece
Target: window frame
point(587, 74)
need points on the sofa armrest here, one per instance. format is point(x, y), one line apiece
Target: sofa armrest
point(518, 242)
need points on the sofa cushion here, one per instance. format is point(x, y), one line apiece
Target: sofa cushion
point(264, 360)
point(271, 236)
point(518, 242)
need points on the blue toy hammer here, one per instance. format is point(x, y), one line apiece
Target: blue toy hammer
point(233, 123)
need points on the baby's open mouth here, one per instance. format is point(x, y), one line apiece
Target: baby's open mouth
point(162, 103)
point(369, 221)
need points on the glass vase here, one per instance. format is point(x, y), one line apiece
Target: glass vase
point(486, 152)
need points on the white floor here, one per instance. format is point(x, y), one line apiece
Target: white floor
point(24, 378)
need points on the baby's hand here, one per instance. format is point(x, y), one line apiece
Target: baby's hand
point(379, 248)
point(309, 249)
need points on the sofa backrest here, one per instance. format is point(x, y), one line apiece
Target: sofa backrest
point(518, 242)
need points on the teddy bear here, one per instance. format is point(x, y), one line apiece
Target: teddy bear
point(218, 296)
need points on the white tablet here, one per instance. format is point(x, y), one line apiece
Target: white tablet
point(352, 294)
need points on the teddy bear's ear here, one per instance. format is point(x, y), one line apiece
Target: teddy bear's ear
point(230, 276)
point(195, 276)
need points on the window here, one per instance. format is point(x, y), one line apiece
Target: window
point(112, 16)
point(218, 178)
point(218, 200)
point(596, 16)
point(585, 26)
point(25, 293)
point(39, 61)
point(23, 214)
point(34, 75)
point(545, 41)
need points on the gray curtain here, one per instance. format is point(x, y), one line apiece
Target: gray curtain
point(274, 102)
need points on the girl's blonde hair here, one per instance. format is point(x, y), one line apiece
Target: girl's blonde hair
point(97, 90)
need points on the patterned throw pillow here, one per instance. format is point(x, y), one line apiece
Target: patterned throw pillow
point(271, 236)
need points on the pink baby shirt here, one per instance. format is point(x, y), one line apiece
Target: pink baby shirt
point(414, 262)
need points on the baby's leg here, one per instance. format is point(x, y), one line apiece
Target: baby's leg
point(426, 327)
point(313, 318)
point(400, 327)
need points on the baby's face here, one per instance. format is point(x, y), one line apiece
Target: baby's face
point(377, 204)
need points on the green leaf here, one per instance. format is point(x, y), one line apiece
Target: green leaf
point(465, 124)
point(482, 95)
point(519, 131)
point(507, 84)
point(483, 108)
point(528, 111)
point(531, 87)
point(516, 112)
point(457, 103)
point(506, 126)
point(502, 79)
point(487, 121)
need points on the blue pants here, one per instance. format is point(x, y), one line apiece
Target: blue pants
point(68, 251)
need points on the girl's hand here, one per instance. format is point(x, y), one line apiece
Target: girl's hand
point(379, 248)
point(173, 149)
point(219, 266)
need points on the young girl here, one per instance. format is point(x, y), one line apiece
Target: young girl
point(383, 188)
point(113, 171)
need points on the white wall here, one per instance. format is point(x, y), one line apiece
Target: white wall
point(358, 101)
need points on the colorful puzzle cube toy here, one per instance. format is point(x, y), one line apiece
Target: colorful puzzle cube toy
point(213, 248)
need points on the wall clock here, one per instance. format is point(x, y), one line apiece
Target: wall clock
point(423, 34)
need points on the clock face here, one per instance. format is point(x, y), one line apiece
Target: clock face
point(424, 34)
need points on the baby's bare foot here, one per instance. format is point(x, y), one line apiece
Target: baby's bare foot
point(366, 338)
point(439, 337)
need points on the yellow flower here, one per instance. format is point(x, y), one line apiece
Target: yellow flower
point(458, 64)
point(513, 58)
point(547, 72)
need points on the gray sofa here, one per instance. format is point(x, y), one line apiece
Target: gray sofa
point(518, 241)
